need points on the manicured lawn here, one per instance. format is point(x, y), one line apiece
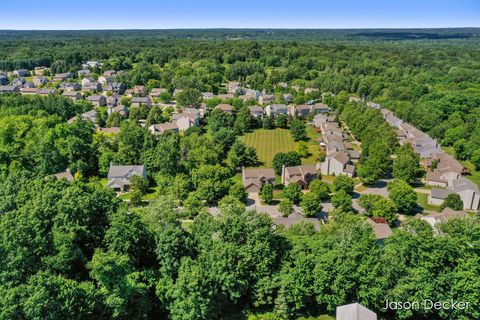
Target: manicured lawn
point(423, 201)
point(270, 142)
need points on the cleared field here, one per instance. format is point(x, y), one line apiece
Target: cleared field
point(270, 142)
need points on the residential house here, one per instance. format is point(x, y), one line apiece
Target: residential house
point(140, 91)
point(46, 92)
point(3, 80)
point(337, 163)
point(446, 214)
point(374, 105)
point(266, 98)
point(97, 100)
point(256, 111)
point(207, 95)
point(29, 84)
point(40, 71)
point(110, 73)
point(87, 80)
point(234, 88)
point(116, 87)
point(302, 175)
point(275, 110)
point(435, 179)
point(61, 77)
point(288, 98)
point(92, 87)
point(92, 64)
point(74, 95)
point(163, 127)
point(119, 176)
point(226, 96)
point(186, 120)
point(64, 175)
point(20, 73)
point(9, 89)
point(252, 94)
point(283, 85)
point(225, 107)
point(320, 119)
point(84, 73)
point(28, 91)
point(447, 169)
point(19, 82)
point(87, 116)
point(156, 92)
point(466, 189)
point(141, 101)
point(254, 179)
point(302, 110)
point(70, 86)
point(39, 81)
point(380, 227)
point(113, 100)
point(103, 80)
point(354, 311)
point(122, 110)
point(319, 108)
point(310, 90)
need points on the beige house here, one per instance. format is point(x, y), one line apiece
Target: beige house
point(337, 163)
point(163, 127)
point(302, 175)
point(466, 189)
point(445, 215)
point(254, 179)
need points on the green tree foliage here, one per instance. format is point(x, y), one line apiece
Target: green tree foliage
point(343, 182)
point(297, 130)
point(406, 164)
point(293, 192)
point(266, 194)
point(310, 204)
point(402, 195)
point(241, 155)
point(320, 189)
point(453, 201)
point(281, 121)
point(285, 207)
point(189, 98)
point(378, 206)
point(286, 159)
point(342, 201)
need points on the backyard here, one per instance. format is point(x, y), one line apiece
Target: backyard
point(270, 142)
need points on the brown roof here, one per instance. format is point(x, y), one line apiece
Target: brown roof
point(381, 230)
point(224, 107)
point(341, 157)
point(258, 173)
point(435, 176)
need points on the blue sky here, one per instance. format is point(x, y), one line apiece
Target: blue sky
point(150, 14)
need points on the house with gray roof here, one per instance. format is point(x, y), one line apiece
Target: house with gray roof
point(46, 92)
point(256, 111)
point(116, 87)
point(266, 98)
point(3, 79)
point(20, 73)
point(9, 89)
point(466, 189)
point(39, 81)
point(156, 92)
point(87, 116)
point(274, 110)
point(119, 176)
point(97, 100)
point(161, 128)
point(70, 86)
point(437, 217)
point(254, 179)
point(301, 175)
point(121, 109)
point(141, 101)
point(74, 95)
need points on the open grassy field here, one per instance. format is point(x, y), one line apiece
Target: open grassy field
point(270, 142)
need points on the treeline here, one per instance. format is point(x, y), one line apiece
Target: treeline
point(73, 251)
point(432, 84)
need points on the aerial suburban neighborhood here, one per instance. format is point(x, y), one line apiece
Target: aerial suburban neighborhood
point(240, 174)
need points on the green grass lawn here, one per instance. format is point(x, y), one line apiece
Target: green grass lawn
point(270, 142)
point(423, 201)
